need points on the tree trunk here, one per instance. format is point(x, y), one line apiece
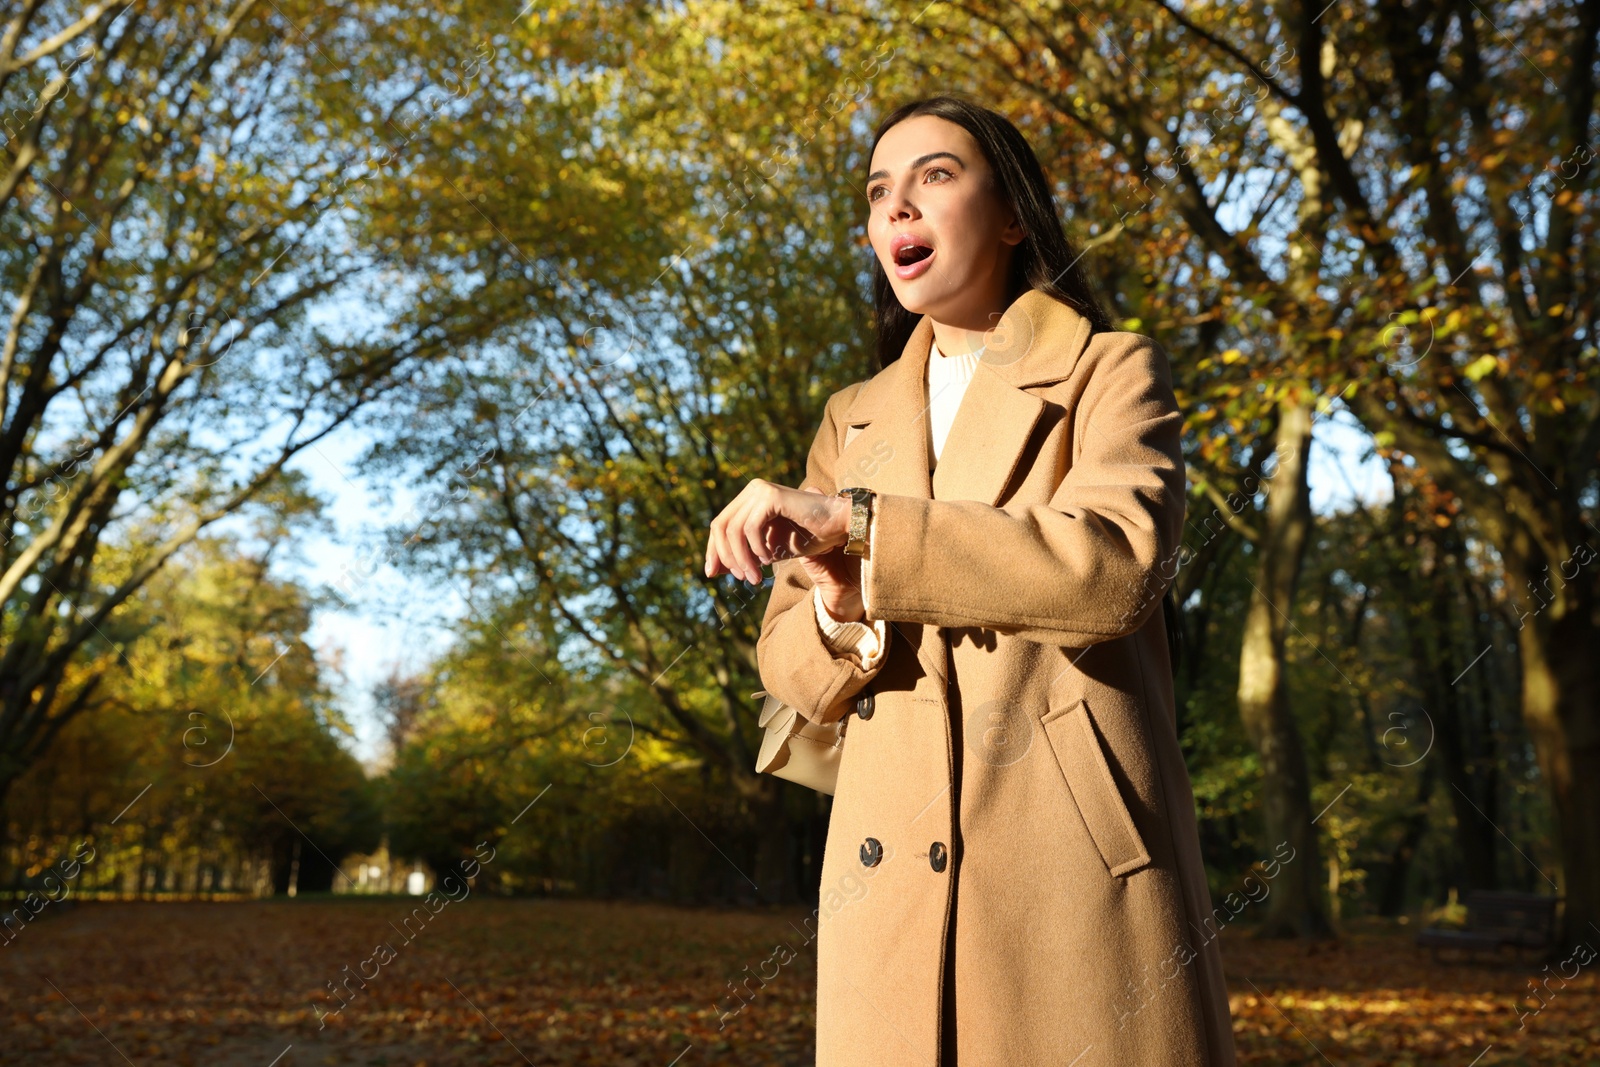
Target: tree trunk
point(1559, 706)
point(1431, 635)
point(1295, 907)
point(1473, 791)
point(1392, 902)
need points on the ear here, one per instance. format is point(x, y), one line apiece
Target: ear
point(1013, 234)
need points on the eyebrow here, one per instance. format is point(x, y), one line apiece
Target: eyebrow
point(919, 161)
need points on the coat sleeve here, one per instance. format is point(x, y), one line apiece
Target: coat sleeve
point(1089, 566)
point(793, 658)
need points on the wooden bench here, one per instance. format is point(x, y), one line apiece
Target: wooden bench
point(1496, 921)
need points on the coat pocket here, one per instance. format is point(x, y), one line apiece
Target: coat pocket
point(1076, 745)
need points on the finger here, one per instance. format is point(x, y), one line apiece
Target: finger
point(726, 535)
point(716, 539)
point(775, 540)
point(744, 538)
point(727, 555)
point(784, 538)
point(817, 574)
point(820, 572)
point(712, 560)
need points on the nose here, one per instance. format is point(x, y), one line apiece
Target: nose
point(899, 204)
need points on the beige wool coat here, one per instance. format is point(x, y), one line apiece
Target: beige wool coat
point(1012, 874)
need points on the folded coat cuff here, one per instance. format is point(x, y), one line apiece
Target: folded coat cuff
point(795, 661)
point(868, 642)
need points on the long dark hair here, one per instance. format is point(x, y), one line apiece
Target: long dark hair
point(1045, 259)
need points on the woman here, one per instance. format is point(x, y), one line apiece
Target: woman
point(1012, 874)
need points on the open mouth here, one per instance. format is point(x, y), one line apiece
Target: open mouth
point(912, 254)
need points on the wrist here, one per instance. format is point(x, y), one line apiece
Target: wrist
point(850, 609)
point(837, 526)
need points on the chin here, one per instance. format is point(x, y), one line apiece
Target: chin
point(921, 303)
point(915, 298)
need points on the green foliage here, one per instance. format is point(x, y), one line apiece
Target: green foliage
point(212, 755)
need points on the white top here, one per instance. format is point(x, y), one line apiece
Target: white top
point(948, 378)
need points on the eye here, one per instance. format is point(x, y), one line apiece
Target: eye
point(872, 193)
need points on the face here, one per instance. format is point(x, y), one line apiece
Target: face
point(938, 224)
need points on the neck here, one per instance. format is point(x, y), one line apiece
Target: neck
point(969, 334)
point(955, 341)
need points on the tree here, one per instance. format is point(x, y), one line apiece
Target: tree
point(216, 763)
point(710, 298)
point(165, 177)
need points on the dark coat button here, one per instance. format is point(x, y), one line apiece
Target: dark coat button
point(871, 852)
point(864, 706)
point(937, 856)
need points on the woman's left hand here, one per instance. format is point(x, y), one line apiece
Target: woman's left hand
point(768, 522)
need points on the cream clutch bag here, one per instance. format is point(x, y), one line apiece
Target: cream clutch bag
point(797, 749)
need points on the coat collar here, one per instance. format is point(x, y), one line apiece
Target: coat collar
point(1038, 340)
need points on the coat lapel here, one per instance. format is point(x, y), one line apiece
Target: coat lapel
point(886, 443)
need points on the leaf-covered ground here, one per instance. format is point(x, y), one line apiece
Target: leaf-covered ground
point(569, 982)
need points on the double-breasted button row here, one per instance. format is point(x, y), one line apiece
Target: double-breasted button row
point(864, 706)
point(872, 854)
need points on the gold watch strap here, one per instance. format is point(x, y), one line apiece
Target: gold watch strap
point(860, 519)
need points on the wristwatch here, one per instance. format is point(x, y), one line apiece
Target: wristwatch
point(860, 516)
